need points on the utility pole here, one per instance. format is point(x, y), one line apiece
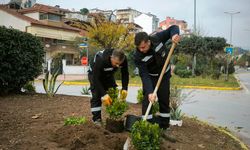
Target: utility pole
point(194, 33)
point(194, 16)
point(231, 35)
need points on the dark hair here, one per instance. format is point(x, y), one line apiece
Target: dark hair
point(141, 36)
point(119, 54)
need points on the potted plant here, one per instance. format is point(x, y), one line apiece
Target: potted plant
point(176, 117)
point(175, 102)
point(115, 120)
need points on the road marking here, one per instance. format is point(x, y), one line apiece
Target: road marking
point(241, 83)
point(245, 88)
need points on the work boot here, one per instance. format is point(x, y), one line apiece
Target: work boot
point(166, 134)
point(98, 122)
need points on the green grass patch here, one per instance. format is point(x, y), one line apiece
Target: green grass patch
point(199, 81)
point(192, 81)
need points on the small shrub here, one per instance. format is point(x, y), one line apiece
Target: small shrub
point(216, 74)
point(21, 57)
point(117, 109)
point(74, 121)
point(145, 135)
point(140, 96)
point(118, 106)
point(113, 93)
point(155, 108)
point(184, 73)
point(179, 67)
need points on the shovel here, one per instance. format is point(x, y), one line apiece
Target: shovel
point(127, 143)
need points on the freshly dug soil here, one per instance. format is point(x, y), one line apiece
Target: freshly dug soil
point(37, 122)
point(115, 126)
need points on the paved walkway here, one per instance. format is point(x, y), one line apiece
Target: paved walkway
point(69, 77)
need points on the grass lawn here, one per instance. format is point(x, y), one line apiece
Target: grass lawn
point(192, 81)
point(199, 81)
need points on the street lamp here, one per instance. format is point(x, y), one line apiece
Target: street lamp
point(231, 34)
point(195, 16)
point(231, 28)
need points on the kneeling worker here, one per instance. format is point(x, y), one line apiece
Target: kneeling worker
point(101, 77)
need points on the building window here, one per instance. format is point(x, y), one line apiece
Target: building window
point(54, 17)
point(43, 16)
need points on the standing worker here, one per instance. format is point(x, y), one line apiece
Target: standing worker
point(149, 57)
point(101, 77)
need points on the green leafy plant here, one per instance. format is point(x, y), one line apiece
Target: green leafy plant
point(113, 93)
point(49, 82)
point(175, 97)
point(155, 108)
point(146, 136)
point(175, 102)
point(118, 106)
point(29, 87)
point(85, 90)
point(21, 57)
point(176, 114)
point(216, 74)
point(184, 73)
point(140, 96)
point(74, 121)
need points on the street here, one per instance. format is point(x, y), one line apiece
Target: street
point(229, 109)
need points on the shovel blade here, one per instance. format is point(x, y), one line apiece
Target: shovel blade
point(127, 144)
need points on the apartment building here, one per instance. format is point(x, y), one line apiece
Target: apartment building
point(46, 23)
point(148, 22)
point(171, 21)
point(126, 15)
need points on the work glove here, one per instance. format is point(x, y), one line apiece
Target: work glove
point(106, 100)
point(123, 94)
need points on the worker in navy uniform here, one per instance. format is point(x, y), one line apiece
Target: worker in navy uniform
point(101, 77)
point(150, 55)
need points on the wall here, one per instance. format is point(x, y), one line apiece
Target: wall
point(74, 69)
point(33, 15)
point(53, 33)
point(145, 22)
point(15, 22)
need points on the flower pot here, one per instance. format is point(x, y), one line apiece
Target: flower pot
point(85, 95)
point(130, 120)
point(115, 126)
point(176, 123)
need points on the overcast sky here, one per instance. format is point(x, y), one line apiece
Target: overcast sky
point(211, 19)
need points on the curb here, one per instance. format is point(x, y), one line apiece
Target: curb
point(242, 145)
point(87, 83)
point(241, 84)
point(75, 83)
point(210, 87)
point(180, 86)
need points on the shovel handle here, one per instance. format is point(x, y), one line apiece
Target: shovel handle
point(160, 78)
